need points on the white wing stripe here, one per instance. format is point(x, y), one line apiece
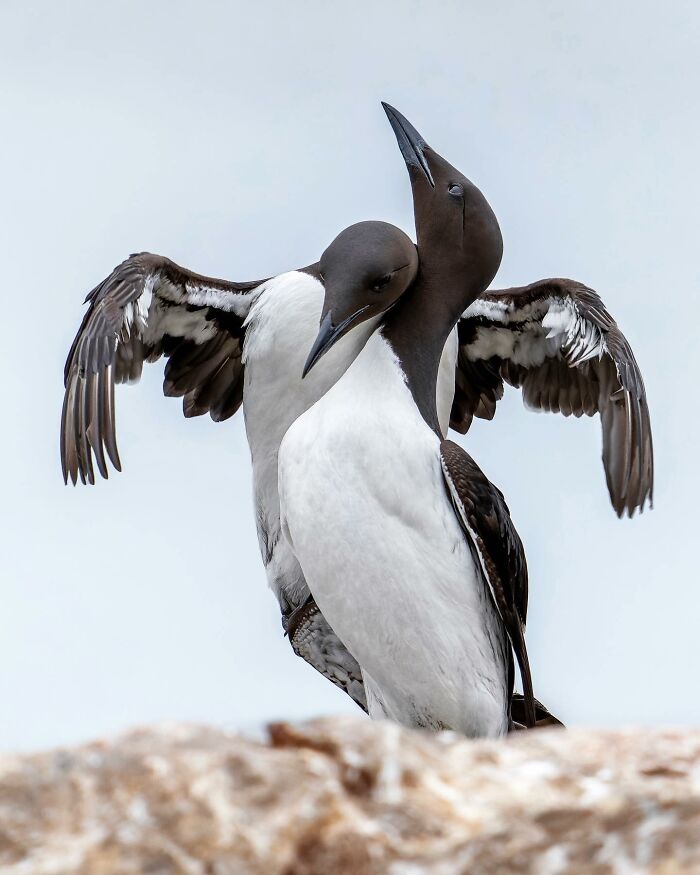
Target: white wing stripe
point(207, 296)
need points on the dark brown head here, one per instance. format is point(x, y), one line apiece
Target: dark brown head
point(457, 232)
point(365, 271)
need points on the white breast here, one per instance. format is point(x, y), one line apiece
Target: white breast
point(281, 327)
point(365, 508)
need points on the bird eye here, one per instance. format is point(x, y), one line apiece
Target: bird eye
point(456, 190)
point(381, 282)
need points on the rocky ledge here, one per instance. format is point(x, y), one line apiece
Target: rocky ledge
point(349, 797)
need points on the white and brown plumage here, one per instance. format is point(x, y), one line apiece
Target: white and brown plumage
point(407, 547)
point(230, 343)
point(220, 339)
point(146, 308)
point(556, 341)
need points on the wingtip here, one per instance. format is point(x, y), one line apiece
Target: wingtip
point(629, 510)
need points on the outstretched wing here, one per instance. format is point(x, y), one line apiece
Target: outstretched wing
point(556, 340)
point(497, 551)
point(148, 307)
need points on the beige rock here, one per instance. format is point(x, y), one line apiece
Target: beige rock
point(348, 797)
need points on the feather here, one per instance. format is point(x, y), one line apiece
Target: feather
point(498, 551)
point(146, 307)
point(556, 340)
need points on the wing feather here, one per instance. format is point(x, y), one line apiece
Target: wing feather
point(314, 640)
point(498, 551)
point(556, 341)
point(148, 307)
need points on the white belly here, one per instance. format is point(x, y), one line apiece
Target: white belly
point(367, 513)
point(281, 327)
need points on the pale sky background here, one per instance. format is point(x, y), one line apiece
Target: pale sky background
point(238, 139)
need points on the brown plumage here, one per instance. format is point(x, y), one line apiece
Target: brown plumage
point(556, 341)
point(497, 551)
point(146, 308)
point(314, 641)
point(543, 718)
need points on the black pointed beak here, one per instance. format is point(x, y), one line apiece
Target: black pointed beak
point(411, 143)
point(328, 334)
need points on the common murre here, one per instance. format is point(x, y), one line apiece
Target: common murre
point(243, 343)
point(407, 548)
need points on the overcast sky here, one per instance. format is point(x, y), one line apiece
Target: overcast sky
point(238, 139)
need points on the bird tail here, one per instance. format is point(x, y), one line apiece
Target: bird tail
point(543, 716)
point(529, 711)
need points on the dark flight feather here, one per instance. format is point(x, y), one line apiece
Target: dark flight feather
point(555, 340)
point(148, 307)
point(497, 551)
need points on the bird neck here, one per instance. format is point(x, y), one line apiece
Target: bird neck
point(417, 328)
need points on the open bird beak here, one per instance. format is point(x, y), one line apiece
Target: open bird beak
point(411, 143)
point(329, 334)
